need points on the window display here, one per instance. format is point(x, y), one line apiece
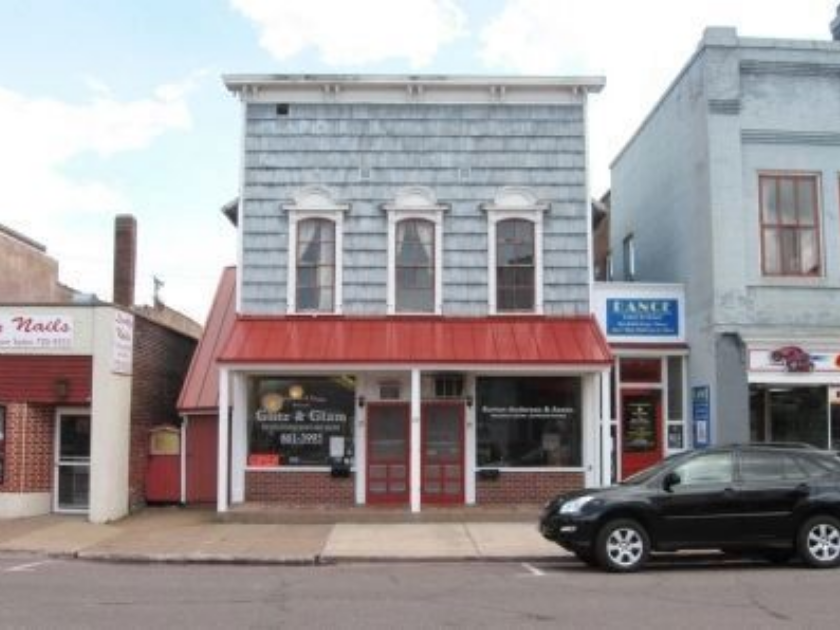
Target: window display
point(528, 422)
point(306, 421)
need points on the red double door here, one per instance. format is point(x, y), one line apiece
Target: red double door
point(441, 453)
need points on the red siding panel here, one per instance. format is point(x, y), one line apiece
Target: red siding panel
point(39, 379)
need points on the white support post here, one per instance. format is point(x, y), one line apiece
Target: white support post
point(606, 422)
point(224, 441)
point(414, 476)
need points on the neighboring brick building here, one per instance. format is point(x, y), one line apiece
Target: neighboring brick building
point(82, 382)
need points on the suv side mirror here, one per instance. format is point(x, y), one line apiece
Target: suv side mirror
point(671, 479)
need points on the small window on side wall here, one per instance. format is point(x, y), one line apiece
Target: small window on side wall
point(629, 261)
point(790, 229)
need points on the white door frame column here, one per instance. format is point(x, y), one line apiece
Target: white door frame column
point(222, 503)
point(414, 434)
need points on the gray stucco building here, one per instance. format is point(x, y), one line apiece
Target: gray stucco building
point(730, 186)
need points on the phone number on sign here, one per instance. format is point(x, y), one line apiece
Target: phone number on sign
point(302, 439)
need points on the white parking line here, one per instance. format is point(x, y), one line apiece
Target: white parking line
point(532, 570)
point(26, 567)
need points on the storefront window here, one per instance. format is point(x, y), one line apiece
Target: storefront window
point(529, 422)
point(789, 414)
point(306, 421)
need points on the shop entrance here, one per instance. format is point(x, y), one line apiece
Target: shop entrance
point(387, 453)
point(442, 453)
point(72, 463)
point(641, 429)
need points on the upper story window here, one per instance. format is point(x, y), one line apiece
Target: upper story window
point(415, 266)
point(515, 258)
point(515, 265)
point(315, 266)
point(315, 252)
point(790, 229)
point(415, 230)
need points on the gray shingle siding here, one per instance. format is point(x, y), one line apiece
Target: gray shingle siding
point(464, 153)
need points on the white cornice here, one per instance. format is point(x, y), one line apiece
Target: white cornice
point(410, 88)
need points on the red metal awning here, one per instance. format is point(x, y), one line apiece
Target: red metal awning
point(537, 341)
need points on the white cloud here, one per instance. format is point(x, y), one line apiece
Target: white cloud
point(41, 138)
point(358, 32)
point(639, 46)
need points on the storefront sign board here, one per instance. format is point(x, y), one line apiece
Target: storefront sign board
point(122, 356)
point(640, 313)
point(27, 331)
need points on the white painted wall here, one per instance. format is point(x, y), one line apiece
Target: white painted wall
point(110, 425)
point(24, 505)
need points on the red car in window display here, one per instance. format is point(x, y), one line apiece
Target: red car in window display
point(794, 358)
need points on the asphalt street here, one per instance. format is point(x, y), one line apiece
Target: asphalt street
point(690, 592)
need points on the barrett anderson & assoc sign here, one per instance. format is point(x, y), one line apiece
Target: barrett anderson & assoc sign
point(520, 412)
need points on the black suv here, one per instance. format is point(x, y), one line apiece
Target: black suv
point(771, 500)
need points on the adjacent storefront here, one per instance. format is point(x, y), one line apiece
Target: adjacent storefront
point(65, 385)
point(645, 326)
point(794, 392)
point(399, 415)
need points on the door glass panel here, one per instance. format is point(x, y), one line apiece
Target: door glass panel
point(388, 434)
point(443, 435)
point(73, 474)
point(75, 438)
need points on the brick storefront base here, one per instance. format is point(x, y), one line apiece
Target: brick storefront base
point(319, 488)
point(525, 487)
point(299, 488)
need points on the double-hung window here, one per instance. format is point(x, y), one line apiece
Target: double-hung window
point(515, 265)
point(790, 227)
point(415, 229)
point(315, 252)
point(515, 269)
point(315, 266)
point(415, 266)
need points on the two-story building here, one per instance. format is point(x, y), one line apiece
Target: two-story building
point(732, 186)
point(413, 321)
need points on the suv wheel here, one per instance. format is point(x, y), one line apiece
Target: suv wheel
point(622, 546)
point(819, 541)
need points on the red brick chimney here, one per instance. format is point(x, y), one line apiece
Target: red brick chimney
point(125, 257)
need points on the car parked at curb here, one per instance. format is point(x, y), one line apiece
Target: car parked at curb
point(772, 501)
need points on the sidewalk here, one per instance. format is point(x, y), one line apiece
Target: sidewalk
point(193, 536)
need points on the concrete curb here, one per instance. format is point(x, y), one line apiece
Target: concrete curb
point(194, 558)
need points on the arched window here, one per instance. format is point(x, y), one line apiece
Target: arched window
point(415, 266)
point(515, 265)
point(315, 265)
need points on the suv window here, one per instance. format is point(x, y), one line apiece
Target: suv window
point(818, 465)
point(711, 468)
point(757, 466)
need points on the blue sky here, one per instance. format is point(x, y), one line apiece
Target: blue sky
point(109, 107)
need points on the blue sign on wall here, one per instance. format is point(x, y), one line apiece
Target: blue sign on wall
point(701, 414)
point(643, 317)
